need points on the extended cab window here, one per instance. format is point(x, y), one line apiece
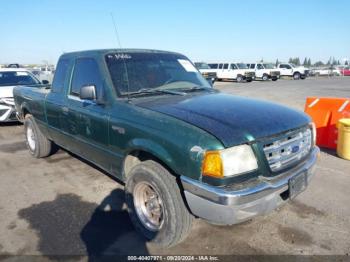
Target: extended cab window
point(86, 72)
point(220, 66)
point(213, 66)
point(252, 66)
point(225, 66)
point(60, 75)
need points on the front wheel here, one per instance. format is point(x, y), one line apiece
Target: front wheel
point(239, 79)
point(265, 77)
point(155, 204)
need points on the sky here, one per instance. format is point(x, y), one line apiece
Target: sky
point(34, 31)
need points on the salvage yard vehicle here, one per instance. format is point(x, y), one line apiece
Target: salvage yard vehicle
point(233, 71)
point(297, 72)
point(183, 149)
point(9, 78)
point(265, 71)
point(206, 71)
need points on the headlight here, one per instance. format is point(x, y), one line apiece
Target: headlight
point(314, 133)
point(229, 162)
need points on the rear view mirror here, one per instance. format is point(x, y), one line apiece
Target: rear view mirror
point(88, 92)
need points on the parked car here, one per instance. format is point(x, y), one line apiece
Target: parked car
point(297, 72)
point(265, 71)
point(206, 71)
point(9, 78)
point(183, 149)
point(345, 71)
point(233, 71)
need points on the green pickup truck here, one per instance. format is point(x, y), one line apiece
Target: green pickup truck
point(182, 148)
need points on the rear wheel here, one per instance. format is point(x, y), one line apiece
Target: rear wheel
point(265, 77)
point(155, 204)
point(296, 76)
point(37, 144)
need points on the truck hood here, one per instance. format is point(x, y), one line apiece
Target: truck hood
point(232, 119)
point(6, 91)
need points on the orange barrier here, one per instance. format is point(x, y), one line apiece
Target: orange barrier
point(325, 112)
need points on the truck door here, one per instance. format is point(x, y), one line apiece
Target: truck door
point(286, 70)
point(55, 103)
point(88, 121)
point(226, 71)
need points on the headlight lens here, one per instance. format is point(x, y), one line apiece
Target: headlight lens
point(229, 162)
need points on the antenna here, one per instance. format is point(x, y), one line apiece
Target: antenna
point(122, 56)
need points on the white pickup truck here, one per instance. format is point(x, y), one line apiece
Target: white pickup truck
point(265, 71)
point(233, 71)
point(297, 72)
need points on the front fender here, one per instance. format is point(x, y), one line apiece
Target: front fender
point(153, 148)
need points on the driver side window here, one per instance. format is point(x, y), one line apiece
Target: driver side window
point(86, 72)
point(233, 66)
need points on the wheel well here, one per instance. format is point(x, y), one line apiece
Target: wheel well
point(297, 72)
point(138, 156)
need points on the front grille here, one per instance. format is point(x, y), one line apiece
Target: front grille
point(249, 74)
point(209, 75)
point(13, 116)
point(288, 149)
point(275, 73)
point(2, 112)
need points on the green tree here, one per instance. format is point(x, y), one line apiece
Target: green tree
point(305, 62)
point(309, 62)
point(319, 63)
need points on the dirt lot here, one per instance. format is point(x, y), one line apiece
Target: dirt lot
point(61, 205)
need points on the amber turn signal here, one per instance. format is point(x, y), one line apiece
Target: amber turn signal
point(212, 164)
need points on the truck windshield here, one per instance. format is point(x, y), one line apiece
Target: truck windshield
point(242, 66)
point(135, 71)
point(269, 66)
point(15, 78)
point(202, 66)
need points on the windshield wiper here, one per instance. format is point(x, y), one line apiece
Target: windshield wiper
point(195, 88)
point(146, 91)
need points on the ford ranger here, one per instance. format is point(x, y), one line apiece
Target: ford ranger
point(183, 149)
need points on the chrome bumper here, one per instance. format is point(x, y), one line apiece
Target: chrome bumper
point(229, 206)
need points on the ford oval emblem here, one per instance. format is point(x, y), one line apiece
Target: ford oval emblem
point(295, 149)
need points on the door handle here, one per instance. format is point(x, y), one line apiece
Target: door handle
point(65, 110)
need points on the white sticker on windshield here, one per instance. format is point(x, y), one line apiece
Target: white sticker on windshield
point(187, 65)
point(21, 73)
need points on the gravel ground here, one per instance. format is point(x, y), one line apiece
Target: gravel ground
point(64, 206)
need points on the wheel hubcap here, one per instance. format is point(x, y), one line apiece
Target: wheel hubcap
point(31, 138)
point(149, 206)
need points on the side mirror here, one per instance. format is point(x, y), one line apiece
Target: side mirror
point(88, 92)
point(45, 82)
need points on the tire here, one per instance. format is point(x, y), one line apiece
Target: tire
point(38, 145)
point(249, 80)
point(265, 77)
point(274, 79)
point(296, 76)
point(174, 222)
point(239, 78)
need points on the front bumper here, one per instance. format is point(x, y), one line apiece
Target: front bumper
point(7, 113)
point(232, 205)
